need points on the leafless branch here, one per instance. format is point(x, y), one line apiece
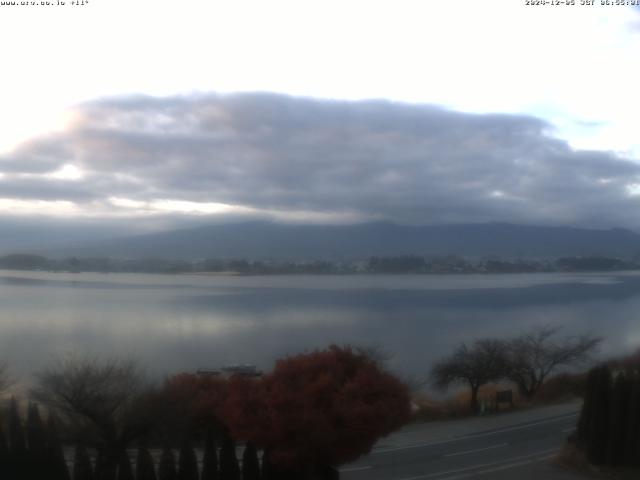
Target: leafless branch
point(537, 353)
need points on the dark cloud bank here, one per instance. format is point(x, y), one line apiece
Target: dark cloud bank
point(368, 160)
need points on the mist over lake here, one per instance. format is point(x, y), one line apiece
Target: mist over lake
point(177, 323)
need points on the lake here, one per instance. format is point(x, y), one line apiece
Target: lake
point(177, 323)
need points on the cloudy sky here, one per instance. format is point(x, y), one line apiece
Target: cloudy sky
point(159, 114)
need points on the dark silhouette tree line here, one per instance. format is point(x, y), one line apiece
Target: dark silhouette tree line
point(609, 424)
point(31, 449)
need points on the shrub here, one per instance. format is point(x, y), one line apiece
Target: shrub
point(323, 408)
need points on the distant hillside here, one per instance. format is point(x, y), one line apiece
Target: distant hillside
point(264, 240)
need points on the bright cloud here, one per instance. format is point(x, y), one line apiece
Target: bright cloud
point(296, 159)
point(574, 66)
point(495, 111)
point(67, 172)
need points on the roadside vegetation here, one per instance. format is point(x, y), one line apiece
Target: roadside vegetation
point(525, 362)
point(539, 367)
point(314, 412)
point(606, 442)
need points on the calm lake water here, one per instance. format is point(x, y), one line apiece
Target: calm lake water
point(182, 322)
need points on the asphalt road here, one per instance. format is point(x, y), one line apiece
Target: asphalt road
point(519, 451)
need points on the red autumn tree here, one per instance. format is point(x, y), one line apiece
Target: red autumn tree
point(318, 409)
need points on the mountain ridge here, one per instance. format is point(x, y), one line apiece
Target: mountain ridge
point(270, 240)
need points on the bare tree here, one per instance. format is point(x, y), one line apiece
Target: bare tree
point(476, 365)
point(533, 356)
point(101, 399)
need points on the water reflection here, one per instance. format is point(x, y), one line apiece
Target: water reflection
point(178, 323)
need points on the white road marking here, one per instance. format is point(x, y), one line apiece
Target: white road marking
point(515, 461)
point(355, 469)
point(498, 469)
point(457, 454)
point(473, 435)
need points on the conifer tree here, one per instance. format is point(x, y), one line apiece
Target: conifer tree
point(55, 452)
point(187, 462)
point(39, 463)
point(617, 420)
point(144, 465)
point(167, 467)
point(98, 466)
point(36, 436)
point(586, 413)
point(632, 438)
point(124, 467)
point(210, 459)
point(4, 453)
point(82, 464)
point(4, 447)
point(16, 431)
point(229, 469)
point(271, 471)
point(250, 463)
point(268, 472)
point(599, 428)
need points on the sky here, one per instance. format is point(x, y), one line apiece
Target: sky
point(149, 115)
